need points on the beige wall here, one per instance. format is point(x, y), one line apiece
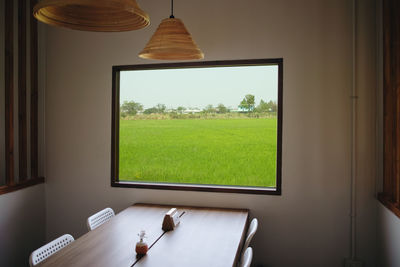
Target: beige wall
point(22, 225)
point(366, 84)
point(388, 238)
point(309, 224)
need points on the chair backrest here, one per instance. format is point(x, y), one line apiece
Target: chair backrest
point(99, 218)
point(247, 258)
point(250, 233)
point(49, 249)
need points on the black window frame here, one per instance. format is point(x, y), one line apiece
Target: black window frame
point(194, 187)
point(390, 195)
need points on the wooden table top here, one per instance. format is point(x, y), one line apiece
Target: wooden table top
point(204, 237)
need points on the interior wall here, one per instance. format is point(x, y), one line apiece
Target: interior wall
point(388, 238)
point(365, 149)
point(22, 225)
point(309, 225)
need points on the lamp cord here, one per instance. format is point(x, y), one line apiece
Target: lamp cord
point(172, 10)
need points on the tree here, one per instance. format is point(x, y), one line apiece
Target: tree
point(262, 107)
point(180, 110)
point(161, 108)
point(222, 109)
point(248, 103)
point(209, 109)
point(243, 104)
point(269, 106)
point(130, 108)
point(273, 106)
point(150, 110)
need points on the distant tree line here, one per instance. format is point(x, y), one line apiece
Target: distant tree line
point(159, 108)
point(247, 105)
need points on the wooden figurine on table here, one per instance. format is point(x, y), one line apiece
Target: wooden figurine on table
point(171, 220)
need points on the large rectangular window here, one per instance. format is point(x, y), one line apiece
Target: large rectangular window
point(209, 126)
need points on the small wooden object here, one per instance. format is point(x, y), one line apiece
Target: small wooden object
point(171, 220)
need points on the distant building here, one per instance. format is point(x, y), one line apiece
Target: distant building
point(240, 109)
point(190, 111)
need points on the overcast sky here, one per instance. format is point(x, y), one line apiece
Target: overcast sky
point(198, 87)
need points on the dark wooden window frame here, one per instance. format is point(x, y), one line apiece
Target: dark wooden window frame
point(23, 181)
point(390, 196)
point(193, 187)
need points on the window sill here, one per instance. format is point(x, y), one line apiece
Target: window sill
point(11, 188)
point(203, 188)
point(389, 204)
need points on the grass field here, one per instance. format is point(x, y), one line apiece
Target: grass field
point(210, 151)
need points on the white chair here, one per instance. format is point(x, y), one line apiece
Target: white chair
point(49, 249)
point(247, 258)
point(250, 233)
point(99, 218)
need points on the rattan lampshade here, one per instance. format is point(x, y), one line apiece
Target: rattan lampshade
point(171, 41)
point(92, 15)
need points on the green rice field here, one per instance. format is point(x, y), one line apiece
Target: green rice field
point(235, 151)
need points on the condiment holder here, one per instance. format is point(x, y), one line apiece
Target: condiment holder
point(171, 220)
point(141, 246)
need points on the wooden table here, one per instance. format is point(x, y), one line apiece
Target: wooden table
point(205, 237)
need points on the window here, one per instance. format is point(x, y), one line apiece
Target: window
point(203, 126)
point(390, 196)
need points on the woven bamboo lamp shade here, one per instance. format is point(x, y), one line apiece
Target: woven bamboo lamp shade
point(92, 15)
point(171, 41)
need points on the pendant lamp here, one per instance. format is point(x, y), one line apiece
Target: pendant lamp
point(92, 15)
point(171, 41)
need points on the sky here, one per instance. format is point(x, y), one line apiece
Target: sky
point(199, 87)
